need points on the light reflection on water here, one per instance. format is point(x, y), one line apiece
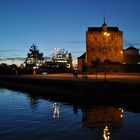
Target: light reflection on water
point(106, 133)
point(56, 111)
point(23, 116)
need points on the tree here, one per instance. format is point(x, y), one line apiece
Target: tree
point(34, 57)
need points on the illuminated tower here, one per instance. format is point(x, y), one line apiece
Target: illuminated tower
point(104, 44)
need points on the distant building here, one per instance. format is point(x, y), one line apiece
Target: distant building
point(60, 62)
point(62, 57)
point(54, 67)
point(131, 55)
point(81, 61)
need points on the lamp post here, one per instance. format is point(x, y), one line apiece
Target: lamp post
point(123, 61)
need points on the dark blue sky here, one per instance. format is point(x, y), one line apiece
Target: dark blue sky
point(62, 23)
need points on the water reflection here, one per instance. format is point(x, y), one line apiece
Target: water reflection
point(33, 100)
point(36, 120)
point(103, 118)
point(106, 133)
point(56, 107)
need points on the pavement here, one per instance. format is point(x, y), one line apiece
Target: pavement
point(121, 77)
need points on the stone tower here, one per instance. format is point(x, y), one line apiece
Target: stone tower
point(104, 43)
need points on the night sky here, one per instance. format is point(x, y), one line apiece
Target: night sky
point(62, 24)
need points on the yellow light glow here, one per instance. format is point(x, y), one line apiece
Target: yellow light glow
point(121, 112)
point(106, 133)
point(106, 34)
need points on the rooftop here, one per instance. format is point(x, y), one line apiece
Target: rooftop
point(99, 29)
point(83, 56)
point(131, 48)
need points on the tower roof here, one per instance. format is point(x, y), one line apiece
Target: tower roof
point(131, 48)
point(83, 56)
point(104, 26)
point(99, 29)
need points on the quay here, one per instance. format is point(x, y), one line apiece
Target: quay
point(116, 88)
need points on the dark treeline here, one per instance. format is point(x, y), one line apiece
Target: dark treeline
point(8, 69)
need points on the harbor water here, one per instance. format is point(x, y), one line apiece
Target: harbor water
point(27, 117)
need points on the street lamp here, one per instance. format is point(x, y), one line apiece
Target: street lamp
point(106, 34)
point(123, 59)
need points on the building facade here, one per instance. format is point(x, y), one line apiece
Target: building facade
point(105, 53)
point(104, 44)
point(81, 62)
point(131, 55)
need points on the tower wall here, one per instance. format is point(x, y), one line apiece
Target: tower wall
point(104, 45)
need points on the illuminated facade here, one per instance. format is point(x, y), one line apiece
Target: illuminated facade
point(62, 57)
point(104, 43)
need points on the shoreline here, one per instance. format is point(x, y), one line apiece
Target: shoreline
point(76, 90)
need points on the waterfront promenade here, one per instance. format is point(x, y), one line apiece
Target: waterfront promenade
point(120, 77)
point(116, 88)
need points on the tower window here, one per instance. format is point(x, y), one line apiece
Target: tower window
point(92, 49)
point(112, 38)
point(103, 49)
